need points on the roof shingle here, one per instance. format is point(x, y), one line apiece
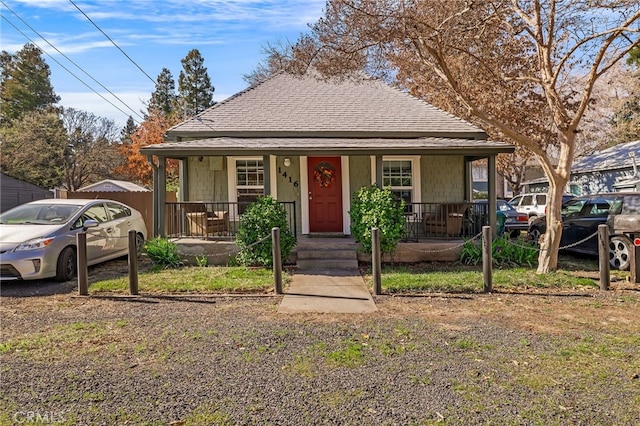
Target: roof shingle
point(295, 105)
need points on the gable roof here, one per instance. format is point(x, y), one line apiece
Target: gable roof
point(110, 185)
point(613, 158)
point(288, 106)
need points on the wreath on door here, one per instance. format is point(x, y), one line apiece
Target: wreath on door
point(325, 174)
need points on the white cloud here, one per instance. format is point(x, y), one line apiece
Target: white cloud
point(91, 102)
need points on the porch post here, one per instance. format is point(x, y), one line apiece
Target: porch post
point(492, 201)
point(162, 195)
point(468, 179)
point(184, 178)
point(379, 170)
point(266, 164)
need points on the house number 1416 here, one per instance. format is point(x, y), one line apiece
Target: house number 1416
point(285, 175)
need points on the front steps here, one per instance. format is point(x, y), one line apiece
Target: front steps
point(328, 254)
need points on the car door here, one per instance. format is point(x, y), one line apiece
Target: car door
point(579, 228)
point(98, 238)
point(120, 224)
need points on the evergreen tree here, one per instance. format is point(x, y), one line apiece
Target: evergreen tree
point(25, 84)
point(127, 131)
point(194, 85)
point(34, 148)
point(163, 99)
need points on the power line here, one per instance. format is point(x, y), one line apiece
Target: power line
point(69, 59)
point(66, 69)
point(113, 42)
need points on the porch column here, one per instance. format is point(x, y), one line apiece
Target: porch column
point(266, 164)
point(162, 196)
point(379, 170)
point(184, 178)
point(492, 202)
point(468, 179)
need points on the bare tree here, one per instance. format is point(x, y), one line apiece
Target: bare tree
point(514, 65)
point(92, 149)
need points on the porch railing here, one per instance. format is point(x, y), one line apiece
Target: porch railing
point(445, 220)
point(213, 219)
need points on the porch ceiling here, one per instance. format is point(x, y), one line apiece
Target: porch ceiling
point(327, 146)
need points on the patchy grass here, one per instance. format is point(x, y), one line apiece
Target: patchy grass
point(458, 278)
point(218, 279)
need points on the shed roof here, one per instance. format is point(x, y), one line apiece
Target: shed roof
point(117, 185)
point(291, 105)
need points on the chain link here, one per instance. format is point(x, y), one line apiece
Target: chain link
point(572, 244)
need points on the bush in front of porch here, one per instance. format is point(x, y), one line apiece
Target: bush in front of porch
point(254, 233)
point(374, 207)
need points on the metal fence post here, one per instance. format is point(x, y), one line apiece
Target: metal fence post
point(487, 260)
point(376, 261)
point(83, 269)
point(603, 256)
point(133, 262)
point(277, 259)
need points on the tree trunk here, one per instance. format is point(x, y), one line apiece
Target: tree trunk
point(558, 178)
point(550, 241)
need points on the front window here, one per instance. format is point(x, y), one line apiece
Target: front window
point(249, 180)
point(397, 175)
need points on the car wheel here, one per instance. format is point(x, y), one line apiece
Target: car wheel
point(620, 252)
point(534, 235)
point(67, 266)
point(139, 245)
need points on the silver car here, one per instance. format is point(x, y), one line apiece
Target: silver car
point(38, 239)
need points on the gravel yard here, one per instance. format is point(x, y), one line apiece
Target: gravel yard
point(448, 359)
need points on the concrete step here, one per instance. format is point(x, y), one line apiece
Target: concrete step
point(327, 264)
point(327, 254)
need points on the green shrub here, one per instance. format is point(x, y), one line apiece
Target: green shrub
point(374, 207)
point(504, 252)
point(163, 252)
point(254, 233)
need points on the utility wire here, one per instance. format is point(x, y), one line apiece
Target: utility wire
point(113, 42)
point(70, 60)
point(65, 68)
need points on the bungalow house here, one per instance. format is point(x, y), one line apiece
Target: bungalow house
point(312, 143)
point(609, 170)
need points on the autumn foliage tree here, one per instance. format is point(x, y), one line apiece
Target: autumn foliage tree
point(136, 166)
point(524, 69)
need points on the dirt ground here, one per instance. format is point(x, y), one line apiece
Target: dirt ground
point(532, 356)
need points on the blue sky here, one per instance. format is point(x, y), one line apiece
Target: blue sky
point(156, 34)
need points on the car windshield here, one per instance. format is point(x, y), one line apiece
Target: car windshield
point(573, 207)
point(39, 214)
point(503, 206)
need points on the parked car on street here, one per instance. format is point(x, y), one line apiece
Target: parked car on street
point(581, 217)
point(514, 222)
point(38, 239)
point(534, 204)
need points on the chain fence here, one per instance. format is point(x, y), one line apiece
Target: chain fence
point(437, 277)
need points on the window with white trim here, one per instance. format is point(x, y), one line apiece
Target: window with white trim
point(249, 179)
point(397, 174)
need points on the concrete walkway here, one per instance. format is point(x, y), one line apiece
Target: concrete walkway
point(338, 291)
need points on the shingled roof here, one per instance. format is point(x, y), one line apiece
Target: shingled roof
point(292, 106)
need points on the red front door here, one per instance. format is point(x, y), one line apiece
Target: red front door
point(325, 194)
